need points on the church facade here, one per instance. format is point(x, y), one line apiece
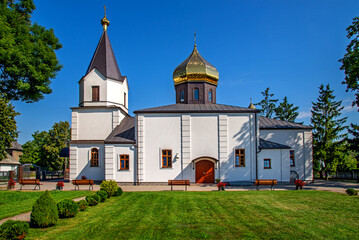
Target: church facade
point(195, 138)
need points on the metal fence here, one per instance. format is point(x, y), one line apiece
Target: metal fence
point(348, 175)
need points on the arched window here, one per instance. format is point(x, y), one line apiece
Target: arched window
point(196, 94)
point(210, 95)
point(94, 157)
point(182, 95)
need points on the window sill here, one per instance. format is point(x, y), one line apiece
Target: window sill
point(240, 166)
point(166, 168)
point(123, 170)
point(267, 168)
point(94, 166)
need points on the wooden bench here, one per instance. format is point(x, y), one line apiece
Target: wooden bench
point(271, 182)
point(79, 182)
point(35, 182)
point(178, 182)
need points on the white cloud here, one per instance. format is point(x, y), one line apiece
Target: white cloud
point(349, 108)
point(304, 115)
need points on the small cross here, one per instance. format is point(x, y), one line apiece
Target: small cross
point(104, 7)
point(195, 43)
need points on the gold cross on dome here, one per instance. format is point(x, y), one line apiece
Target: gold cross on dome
point(104, 7)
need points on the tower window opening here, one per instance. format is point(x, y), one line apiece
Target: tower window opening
point(124, 99)
point(210, 95)
point(95, 93)
point(182, 95)
point(196, 94)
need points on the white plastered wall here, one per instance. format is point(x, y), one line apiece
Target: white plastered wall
point(301, 142)
point(241, 135)
point(279, 165)
point(160, 131)
point(82, 166)
point(113, 171)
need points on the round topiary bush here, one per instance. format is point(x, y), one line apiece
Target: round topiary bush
point(91, 200)
point(118, 192)
point(351, 192)
point(97, 197)
point(109, 186)
point(67, 208)
point(44, 212)
point(102, 194)
point(82, 204)
point(14, 229)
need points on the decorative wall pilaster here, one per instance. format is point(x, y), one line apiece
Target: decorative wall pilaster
point(73, 162)
point(140, 145)
point(222, 141)
point(109, 162)
point(74, 126)
point(186, 139)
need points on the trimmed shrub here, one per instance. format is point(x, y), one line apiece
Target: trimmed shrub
point(82, 204)
point(91, 200)
point(109, 186)
point(67, 208)
point(44, 212)
point(14, 229)
point(118, 192)
point(102, 194)
point(351, 192)
point(97, 197)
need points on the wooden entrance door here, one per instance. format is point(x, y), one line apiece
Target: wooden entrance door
point(204, 172)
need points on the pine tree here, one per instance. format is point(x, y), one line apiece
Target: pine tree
point(354, 143)
point(268, 104)
point(286, 111)
point(327, 130)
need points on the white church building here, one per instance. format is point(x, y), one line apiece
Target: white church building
point(195, 138)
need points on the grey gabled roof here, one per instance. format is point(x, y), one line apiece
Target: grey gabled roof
point(269, 123)
point(197, 108)
point(9, 160)
point(124, 133)
point(15, 146)
point(104, 60)
point(265, 144)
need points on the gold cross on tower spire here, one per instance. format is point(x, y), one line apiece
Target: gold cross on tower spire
point(104, 21)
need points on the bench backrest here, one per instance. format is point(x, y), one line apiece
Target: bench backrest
point(266, 182)
point(178, 182)
point(29, 181)
point(82, 182)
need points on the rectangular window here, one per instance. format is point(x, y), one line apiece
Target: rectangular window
point(291, 157)
point(94, 157)
point(125, 99)
point(240, 158)
point(124, 162)
point(95, 93)
point(166, 158)
point(267, 163)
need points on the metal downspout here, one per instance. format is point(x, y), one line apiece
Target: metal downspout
point(137, 182)
point(256, 125)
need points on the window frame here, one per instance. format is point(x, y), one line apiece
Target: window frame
point(269, 162)
point(240, 154)
point(168, 156)
point(292, 158)
point(94, 96)
point(92, 156)
point(123, 158)
point(194, 94)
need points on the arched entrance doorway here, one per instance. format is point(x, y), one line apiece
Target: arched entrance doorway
point(204, 171)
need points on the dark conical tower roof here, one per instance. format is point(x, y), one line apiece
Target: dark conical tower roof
point(104, 59)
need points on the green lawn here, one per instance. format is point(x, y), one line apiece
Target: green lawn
point(16, 202)
point(214, 215)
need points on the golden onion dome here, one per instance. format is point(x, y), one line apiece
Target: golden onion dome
point(195, 69)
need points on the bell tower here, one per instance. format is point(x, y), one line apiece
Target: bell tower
point(195, 80)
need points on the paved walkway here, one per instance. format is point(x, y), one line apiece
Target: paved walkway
point(319, 185)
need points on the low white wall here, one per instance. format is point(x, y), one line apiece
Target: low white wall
point(279, 164)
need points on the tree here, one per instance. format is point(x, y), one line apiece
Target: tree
point(327, 130)
point(8, 130)
point(27, 53)
point(286, 111)
point(45, 149)
point(268, 104)
point(350, 61)
point(354, 143)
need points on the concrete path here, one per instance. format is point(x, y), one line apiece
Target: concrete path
point(319, 185)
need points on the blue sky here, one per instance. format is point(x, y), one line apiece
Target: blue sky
point(290, 46)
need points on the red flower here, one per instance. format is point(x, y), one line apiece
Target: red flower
point(60, 184)
point(299, 183)
point(221, 184)
point(11, 183)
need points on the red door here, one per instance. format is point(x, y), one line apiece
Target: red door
point(204, 172)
